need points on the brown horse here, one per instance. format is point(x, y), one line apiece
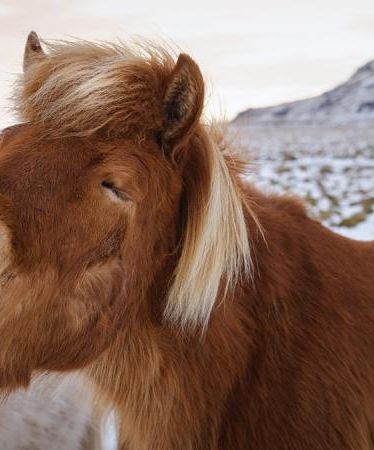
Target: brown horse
point(210, 315)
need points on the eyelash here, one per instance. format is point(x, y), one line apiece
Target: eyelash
point(117, 192)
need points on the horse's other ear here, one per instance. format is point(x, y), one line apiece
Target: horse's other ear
point(183, 100)
point(33, 50)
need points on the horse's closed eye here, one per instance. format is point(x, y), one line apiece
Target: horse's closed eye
point(114, 191)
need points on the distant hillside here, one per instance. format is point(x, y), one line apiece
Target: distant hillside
point(350, 102)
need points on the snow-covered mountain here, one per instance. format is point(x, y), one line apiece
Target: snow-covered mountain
point(350, 102)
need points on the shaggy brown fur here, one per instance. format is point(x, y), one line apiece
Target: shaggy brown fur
point(212, 316)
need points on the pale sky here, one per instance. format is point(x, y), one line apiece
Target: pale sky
point(253, 52)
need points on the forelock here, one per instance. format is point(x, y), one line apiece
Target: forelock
point(82, 87)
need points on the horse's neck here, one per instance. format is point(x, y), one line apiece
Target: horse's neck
point(156, 377)
point(161, 381)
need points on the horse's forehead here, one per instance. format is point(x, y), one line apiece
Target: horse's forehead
point(76, 153)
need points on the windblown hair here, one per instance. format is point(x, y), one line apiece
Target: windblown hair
point(216, 247)
point(82, 88)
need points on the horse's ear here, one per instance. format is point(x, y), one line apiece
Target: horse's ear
point(33, 50)
point(183, 100)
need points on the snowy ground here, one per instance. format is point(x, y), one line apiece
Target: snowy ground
point(331, 168)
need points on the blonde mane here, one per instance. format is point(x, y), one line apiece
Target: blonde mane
point(81, 87)
point(216, 250)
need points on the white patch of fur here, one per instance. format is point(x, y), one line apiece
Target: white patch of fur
point(54, 413)
point(218, 251)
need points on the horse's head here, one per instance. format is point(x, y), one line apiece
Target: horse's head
point(115, 204)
